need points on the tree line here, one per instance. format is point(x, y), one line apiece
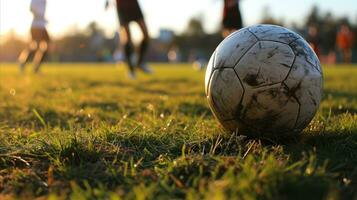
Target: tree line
point(92, 45)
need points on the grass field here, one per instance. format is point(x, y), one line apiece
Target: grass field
point(90, 133)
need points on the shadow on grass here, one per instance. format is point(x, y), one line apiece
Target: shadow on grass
point(340, 149)
point(126, 160)
point(146, 152)
point(337, 150)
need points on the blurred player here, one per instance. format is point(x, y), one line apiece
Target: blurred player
point(232, 18)
point(345, 40)
point(313, 38)
point(129, 11)
point(40, 38)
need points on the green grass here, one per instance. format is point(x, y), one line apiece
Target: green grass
point(90, 133)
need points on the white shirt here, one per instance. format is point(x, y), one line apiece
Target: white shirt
point(38, 9)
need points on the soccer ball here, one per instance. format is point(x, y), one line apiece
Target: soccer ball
point(264, 80)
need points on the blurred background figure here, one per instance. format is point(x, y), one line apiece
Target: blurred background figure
point(174, 55)
point(345, 40)
point(198, 60)
point(232, 18)
point(40, 39)
point(94, 37)
point(313, 38)
point(130, 11)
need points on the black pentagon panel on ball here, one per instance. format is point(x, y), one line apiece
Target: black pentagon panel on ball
point(232, 49)
point(266, 63)
point(226, 92)
point(274, 33)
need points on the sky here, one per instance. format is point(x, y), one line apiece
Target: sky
point(67, 15)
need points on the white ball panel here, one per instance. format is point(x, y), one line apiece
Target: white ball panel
point(266, 63)
point(274, 33)
point(231, 49)
point(302, 71)
point(271, 108)
point(209, 71)
point(303, 49)
point(225, 92)
point(309, 97)
point(305, 82)
point(309, 94)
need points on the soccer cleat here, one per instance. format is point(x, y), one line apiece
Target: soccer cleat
point(36, 69)
point(132, 75)
point(22, 67)
point(145, 68)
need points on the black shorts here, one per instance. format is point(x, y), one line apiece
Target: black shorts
point(128, 11)
point(232, 18)
point(40, 34)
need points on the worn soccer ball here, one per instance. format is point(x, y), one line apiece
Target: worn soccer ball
point(264, 80)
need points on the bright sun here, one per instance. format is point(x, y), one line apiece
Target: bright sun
point(15, 15)
point(62, 16)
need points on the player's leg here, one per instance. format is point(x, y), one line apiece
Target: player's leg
point(143, 48)
point(239, 18)
point(348, 55)
point(343, 55)
point(228, 25)
point(232, 19)
point(43, 41)
point(26, 54)
point(40, 55)
point(126, 42)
